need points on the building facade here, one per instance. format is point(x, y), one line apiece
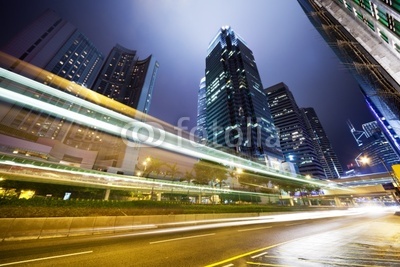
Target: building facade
point(374, 147)
point(238, 118)
point(47, 48)
point(327, 156)
point(202, 111)
point(127, 79)
point(366, 36)
point(296, 143)
point(130, 81)
point(55, 45)
point(52, 51)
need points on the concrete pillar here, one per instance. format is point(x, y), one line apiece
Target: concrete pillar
point(309, 202)
point(291, 201)
point(107, 194)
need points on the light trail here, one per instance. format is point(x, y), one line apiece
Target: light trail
point(45, 258)
point(231, 222)
point(171, 142)
point(118, 179)
point(180, 238)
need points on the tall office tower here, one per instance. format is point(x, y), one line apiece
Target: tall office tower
point(48, 47)
point(53, 44)
point(374, 146)
point(296, 143)
point(327, 156)
point(202, 110)
point(237, 117)
point(127, 79)
point(366, 37)
point(130, 81)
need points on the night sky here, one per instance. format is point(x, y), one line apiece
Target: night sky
point(287, 48)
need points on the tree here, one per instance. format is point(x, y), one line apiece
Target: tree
point(251, 179)
point(173, 170)
point(288, 186)
point(206, 171)
point(152, 165)
point(188, 176)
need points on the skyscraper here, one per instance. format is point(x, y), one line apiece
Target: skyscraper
point(296, 143)
point(327, 156)
point(51, 50)
point(130, 81)
point(236, 111)
point(202, 110)
point(366, 37)
point(374, 146)
point(54, 44)
point(127, 79)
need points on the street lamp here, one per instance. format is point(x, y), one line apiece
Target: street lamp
point(365, 160)
point(145, 162)
point(362, 159)
point(145, 165)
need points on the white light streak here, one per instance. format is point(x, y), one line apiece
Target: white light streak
point(172, 142)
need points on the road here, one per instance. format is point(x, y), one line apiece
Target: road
point(355, 239)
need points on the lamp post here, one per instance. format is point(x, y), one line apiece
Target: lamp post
point(145, 162)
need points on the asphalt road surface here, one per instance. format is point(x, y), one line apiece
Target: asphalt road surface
point(361, 238)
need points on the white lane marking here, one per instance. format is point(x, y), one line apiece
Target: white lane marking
point(229, 265)
point(251, 229)
point(46, 258)
point(258, 255)
point(180, 238)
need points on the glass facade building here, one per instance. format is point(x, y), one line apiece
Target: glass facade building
point(365, 34)
point(127, 79)
point(52, 51)
point(48, 48)
point(374, 146)
point(296, 143)
point(54, 44)
point(202, 110)
point(327, 156)
point(237, 115)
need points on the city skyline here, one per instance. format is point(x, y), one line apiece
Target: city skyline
point(305, 48)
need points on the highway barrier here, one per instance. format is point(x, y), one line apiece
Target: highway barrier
point(37, 228)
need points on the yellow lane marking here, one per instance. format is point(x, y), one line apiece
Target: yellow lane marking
point(247, 254)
